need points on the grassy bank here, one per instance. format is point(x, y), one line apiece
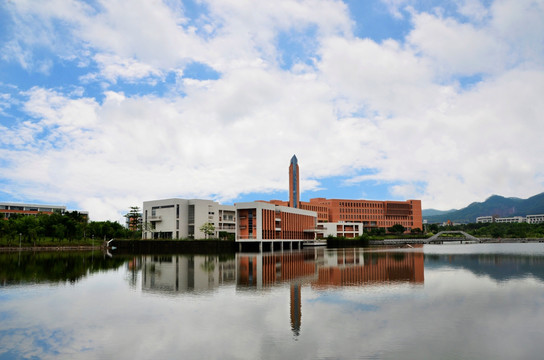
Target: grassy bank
point(49, 242)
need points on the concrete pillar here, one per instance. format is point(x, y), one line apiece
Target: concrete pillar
point(261, 246)
point(281, 246)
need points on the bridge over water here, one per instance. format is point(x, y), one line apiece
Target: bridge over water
point(441, 237)
point(447, 236)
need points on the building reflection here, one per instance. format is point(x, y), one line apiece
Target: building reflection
point(296, 308)
point(319, 268)
point(323, 268)
point(186, 273)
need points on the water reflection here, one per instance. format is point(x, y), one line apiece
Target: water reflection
point(499, 267)
point(52, 267)
point(318, 304)
point(186, 273)
point(319, 268)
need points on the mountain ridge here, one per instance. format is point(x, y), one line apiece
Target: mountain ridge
point(495, 205)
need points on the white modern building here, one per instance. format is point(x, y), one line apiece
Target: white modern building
point(340, 229)
point(249, 222)
point(183, 218)
point(8, 209)
point(512, 219)
point(531, 219)
point(484, 219)
point(535, 219)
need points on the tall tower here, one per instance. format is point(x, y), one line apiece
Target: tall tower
point(294, 195)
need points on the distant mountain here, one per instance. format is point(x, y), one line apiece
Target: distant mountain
point(494, 205)
point(433, 212)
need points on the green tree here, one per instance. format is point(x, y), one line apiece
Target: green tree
point(134, 221)
point(376, 231)
point(397, 229)
point(433, 228)
point(208, 229)
point(416, 231)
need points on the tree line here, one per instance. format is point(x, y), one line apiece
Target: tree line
point(57, 227)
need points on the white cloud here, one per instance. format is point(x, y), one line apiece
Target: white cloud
point(397, 107)
point(113, 67)
point(457, 48)
point(395, 6)
point(473, 9)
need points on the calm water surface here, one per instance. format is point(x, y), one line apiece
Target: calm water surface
point(436, 302)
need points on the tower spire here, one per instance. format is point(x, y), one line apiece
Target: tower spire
point(294, 195)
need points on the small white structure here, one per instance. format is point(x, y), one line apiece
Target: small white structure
point(341, 229)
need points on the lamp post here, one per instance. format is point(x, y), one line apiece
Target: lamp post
point(20, 234)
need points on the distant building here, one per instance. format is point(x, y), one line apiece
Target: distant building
point(512, 219)
point(535, 219)
point(531, 219)
point(8, 209)
point(484, 219)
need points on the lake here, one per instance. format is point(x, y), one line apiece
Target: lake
point(470, 301)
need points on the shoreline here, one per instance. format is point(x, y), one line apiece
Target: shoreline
point(50, 248)
point(138, 246)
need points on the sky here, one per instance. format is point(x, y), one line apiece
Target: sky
point(105, 104)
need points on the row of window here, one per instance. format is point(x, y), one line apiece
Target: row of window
point(361, 211)
point(361, 204)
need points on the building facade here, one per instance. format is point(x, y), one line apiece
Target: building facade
point(347, 217)
point(339, 229)
point(263, 221)
point(484, 219)
point(371, 213)
point(248, 222)
point(183, 218)
point(9, 209)
point(535, 219)
point(278, 220)
point(511, 219)
point(530, 219)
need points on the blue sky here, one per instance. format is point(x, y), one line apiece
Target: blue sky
point(106, 104)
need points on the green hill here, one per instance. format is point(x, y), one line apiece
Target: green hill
point(434, 212)
point(494, 205)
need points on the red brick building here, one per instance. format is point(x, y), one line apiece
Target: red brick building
point(370, 213)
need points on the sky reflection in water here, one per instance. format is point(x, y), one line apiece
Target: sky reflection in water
point(448, 301)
